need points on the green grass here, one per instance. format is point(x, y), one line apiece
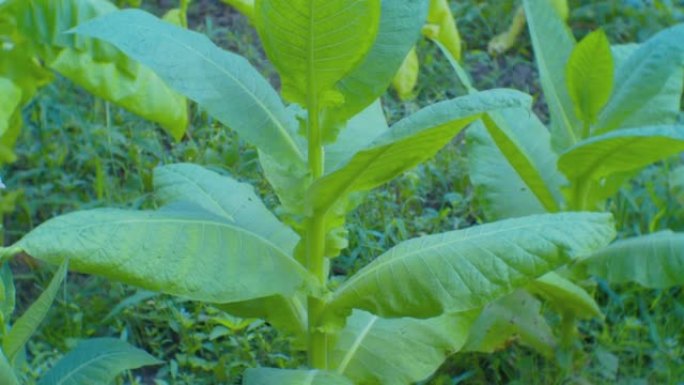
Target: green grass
point(77, 152)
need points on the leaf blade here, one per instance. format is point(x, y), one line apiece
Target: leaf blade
point(97, 359)
point(211, 76)
point(464, 269)
point(180, 250)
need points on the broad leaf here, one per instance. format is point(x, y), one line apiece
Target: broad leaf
point(315, 43)
point(224, 196)
point(621, 151)
point(589, 75)
point(98, 68)
point(654, 261)
point(97, 361)
point(400, 24)
point(515, 316)
point(373, 350)
point(26, 325)
point(238, 204)
point(180, 250)
point(553, 43)
point(271, 376)
point(643, 76)
point(500, 188)
point(11, 95)
point(661, 108)
point(464, 269)
point(408, 143)
point(209, 76)
point(565, 296)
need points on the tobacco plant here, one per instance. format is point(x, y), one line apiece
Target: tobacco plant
point(613, 111)
point(213, 240)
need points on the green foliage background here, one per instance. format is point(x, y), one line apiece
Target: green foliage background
point(78, 152)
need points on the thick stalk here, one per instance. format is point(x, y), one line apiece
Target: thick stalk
point(315, 245)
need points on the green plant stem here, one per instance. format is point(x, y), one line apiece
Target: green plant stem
point(315, 245)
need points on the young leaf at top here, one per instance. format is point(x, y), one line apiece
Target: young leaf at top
point(315, 43)
point(465, 269)
point(644, 75)
point(654, 261)
point(374, 350)
point(191, 64)
point(589, 76)
point(26, 325)
point(271, 376)
point(553, 43)
point(181, 250)
point(97, 361)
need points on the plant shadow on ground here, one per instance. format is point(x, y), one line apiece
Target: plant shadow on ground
point(79, 152)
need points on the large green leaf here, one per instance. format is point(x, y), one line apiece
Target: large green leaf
point(620, 151)
point(180, 250)
point(660, 108)
point(238, 204)
point(553, 43)
point(224, 84)
point(589, 75)
point(654, 260)
point(98, 68)
point(565, 296)
point(96, 361)
point(271, 376)
point(516, 315)
point(465, 269)
point(651, 69)
point(400, 24)
point(408, 143)
point(374, 350)
point(224, 196)
point(315, 43)
point(500, 189)
point(26, 325)
point(11, 96)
